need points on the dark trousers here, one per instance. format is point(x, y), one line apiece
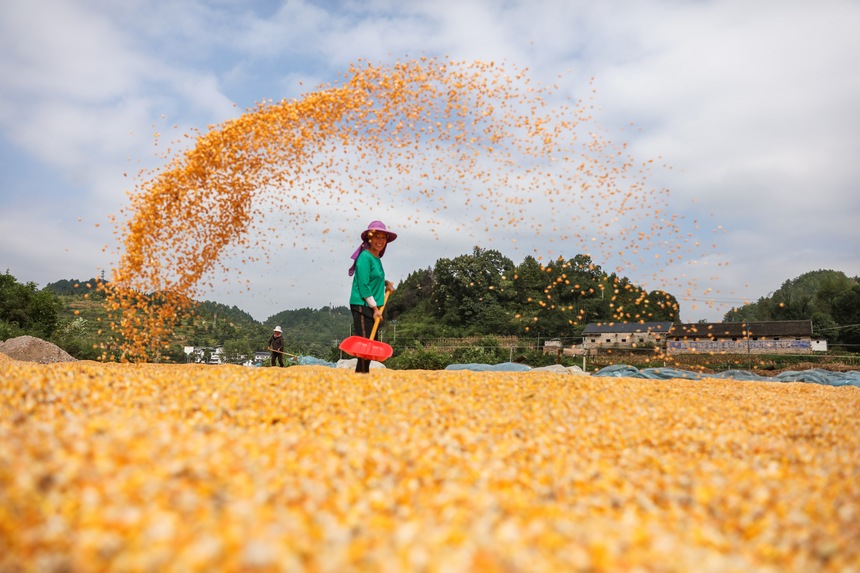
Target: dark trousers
point(363, 325)
point(277, 357)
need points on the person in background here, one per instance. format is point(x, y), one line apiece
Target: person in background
point(276, 345)
point(368, 283)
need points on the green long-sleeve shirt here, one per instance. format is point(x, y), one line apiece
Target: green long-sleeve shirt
point(368, 280)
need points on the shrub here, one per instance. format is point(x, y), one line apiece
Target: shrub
point(420, 359)
point(9, 330)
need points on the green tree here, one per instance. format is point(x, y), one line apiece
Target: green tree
point(544, 294)
point(846, 312)
point(31, 310)
point(811, 292)
point(527, 285)
point(467, 290)
point(70, 287)
point(413, 292)
point(310, 331)
point(75, 337)
point(237, 350)
point(824, 296)
point(662, 307)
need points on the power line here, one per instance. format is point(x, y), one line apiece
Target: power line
point(840, 327)
point(720, 300)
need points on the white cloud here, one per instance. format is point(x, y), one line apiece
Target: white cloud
point(56, 49)
point(752, 106)
point(42, 245)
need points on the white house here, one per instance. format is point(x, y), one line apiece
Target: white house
point(623, 335)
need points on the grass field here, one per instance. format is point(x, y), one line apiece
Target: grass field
point(222, 468)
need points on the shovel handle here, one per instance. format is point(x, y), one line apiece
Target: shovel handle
point(282, 352)
point(376, 322)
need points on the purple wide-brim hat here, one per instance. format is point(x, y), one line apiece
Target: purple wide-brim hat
point(378, 226)
point(374, 227)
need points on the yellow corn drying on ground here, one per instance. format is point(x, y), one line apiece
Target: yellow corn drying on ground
point(109, 467)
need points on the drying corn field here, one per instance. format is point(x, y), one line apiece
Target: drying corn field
point(112, 467)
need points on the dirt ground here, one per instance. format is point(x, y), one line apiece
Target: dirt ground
point(32, 349)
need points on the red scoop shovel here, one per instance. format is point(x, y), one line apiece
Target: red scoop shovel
point(368, 348)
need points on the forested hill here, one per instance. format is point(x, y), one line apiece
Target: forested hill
point(830, 299)
point(485, 293)
point(482, 293)
point(233, 313)
point(307, 328)
point(75, 286)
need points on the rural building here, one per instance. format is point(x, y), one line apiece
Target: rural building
point(773, 337)
point(197, 354)
point(623, 335)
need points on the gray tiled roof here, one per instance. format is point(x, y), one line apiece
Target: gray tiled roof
point(623, 327)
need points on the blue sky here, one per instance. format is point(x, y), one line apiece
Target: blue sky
point(754, 105)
